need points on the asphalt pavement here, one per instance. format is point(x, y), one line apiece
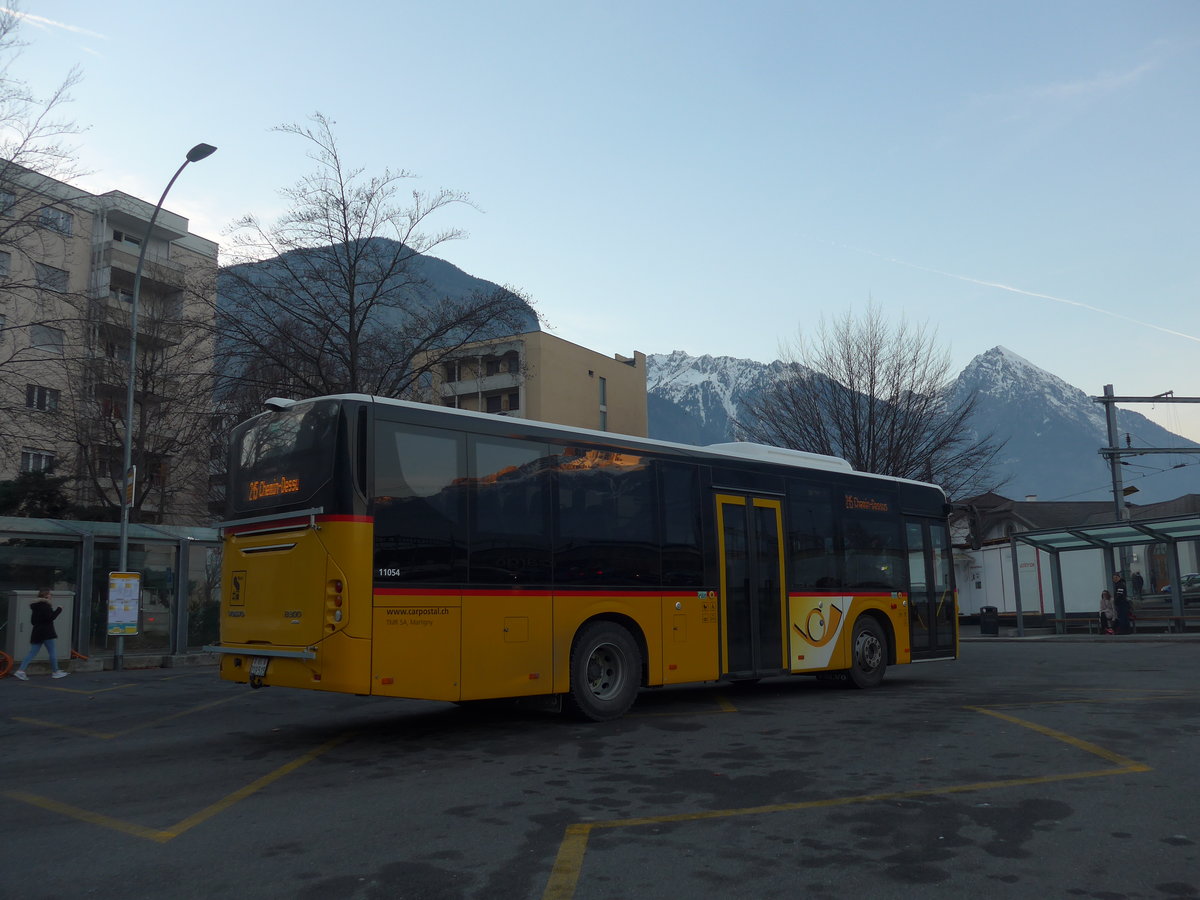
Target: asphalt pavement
point(1055, 766)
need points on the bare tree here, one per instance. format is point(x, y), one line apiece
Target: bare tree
point(332, 297)
point(172, 411)
point(882, 397)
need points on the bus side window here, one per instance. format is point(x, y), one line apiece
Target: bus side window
point(420, 503)
point(874, 553)
point(510, 512)
point(812, 548)
point(607, 527)
point(682, 525)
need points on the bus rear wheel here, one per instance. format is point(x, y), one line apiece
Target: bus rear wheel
point(606, 672)
point(869, 653)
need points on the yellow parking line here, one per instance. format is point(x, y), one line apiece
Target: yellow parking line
point(109, 735)
point(85, 815)
point(253, 787)
point(1126, 764)
point(568, 863)
point(102, 735)
point(161, 836)
point(179, 715)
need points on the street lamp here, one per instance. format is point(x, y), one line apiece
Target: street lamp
point(197, 153)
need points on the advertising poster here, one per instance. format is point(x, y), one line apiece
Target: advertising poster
point(124, 593)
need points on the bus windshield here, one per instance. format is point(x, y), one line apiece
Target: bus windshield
point(283, 458)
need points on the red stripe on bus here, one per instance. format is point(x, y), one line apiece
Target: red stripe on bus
point(538, 592)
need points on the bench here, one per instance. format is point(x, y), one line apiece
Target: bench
point(1169, 624)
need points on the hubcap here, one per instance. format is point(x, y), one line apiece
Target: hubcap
point(868, 651)
point(605, 671)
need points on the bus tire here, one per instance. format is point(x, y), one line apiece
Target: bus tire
point(868, 653)
point(606, 671)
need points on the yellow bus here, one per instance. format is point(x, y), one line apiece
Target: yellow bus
point(393, 549)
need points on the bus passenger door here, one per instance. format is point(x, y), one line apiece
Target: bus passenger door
point(750, 531)
point(932, 613)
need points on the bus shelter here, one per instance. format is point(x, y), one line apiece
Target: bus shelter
point(1110, 537)
point(180, 568)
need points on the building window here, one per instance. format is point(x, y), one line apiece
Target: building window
point(55, 219)
point(43, 337)
point(7, 201)
point(37, 460)
point(450, 370)
point(512, 364)
point(604, 420)
point(121, 294)
point(451, 402)
point(5, 263)
point(603, 392)
point(124, 237)
point(514, 400)
point(493, 367)
point(493, 403)
point(50, 278)
point(43, 398)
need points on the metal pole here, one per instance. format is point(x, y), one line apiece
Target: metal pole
point(1118, 487)
point(197, 153)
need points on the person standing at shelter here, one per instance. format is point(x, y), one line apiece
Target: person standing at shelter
point(1138, 584)
point(1121, 604)
point(42, 616)
point(1108, 613)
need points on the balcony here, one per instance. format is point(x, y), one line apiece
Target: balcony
point(484, 385)
point(160, 268)
point(113, 316)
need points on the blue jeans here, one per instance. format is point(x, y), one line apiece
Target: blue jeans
point(33, 651)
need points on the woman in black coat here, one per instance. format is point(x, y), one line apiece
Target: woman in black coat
point(42, 616)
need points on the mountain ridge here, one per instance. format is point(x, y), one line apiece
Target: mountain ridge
point(1054, 430)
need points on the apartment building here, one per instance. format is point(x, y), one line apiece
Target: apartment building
point(67, 265)
point(539, 376)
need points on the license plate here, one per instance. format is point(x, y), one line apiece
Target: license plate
point(258, 665)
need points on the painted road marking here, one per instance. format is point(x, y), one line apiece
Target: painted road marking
point(141, 726)
point(568, 863)
point(161, 836)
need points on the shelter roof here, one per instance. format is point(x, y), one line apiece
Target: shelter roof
point(69, 529)
point(1109, 535)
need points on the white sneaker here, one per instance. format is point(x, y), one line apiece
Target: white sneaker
point(60, 674)
point(20, 676)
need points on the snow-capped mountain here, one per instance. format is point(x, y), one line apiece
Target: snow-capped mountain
point(694, 399)
point(1053, 429)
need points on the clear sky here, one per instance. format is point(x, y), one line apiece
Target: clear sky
point(712, 176)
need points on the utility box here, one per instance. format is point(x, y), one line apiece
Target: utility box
point(16, 636)
point(989, 620)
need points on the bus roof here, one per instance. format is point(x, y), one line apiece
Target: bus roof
point(733, 450)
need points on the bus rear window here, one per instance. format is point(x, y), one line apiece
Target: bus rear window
point(283, 458)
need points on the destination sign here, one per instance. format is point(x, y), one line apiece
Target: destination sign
point(282, 485)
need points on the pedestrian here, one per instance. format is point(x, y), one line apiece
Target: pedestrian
point(1121, 604)
point(43, 635)
point(1138, 584)
point(1108, 613)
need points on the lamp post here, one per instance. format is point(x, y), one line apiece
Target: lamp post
point(197, 153)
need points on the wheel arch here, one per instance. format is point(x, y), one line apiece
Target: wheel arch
point(629, 624)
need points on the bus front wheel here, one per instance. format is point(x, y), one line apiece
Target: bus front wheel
point(606, 671)
point(869, 653)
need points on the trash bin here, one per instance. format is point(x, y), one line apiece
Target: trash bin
point(989, 620)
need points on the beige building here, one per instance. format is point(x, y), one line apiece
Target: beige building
point(539, 376)
point(67, 264)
